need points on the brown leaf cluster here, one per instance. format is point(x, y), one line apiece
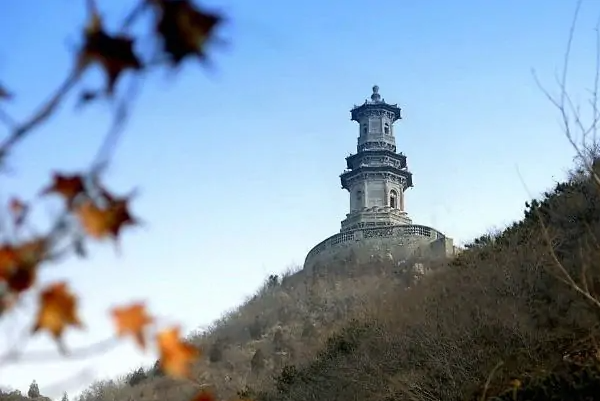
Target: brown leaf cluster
point(95, 212)
point(175, 355)
point(181, 30)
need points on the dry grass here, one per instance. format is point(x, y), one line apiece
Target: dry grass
point(500, 307)
point(285, 323)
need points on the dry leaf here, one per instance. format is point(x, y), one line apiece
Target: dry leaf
point(101, 222)
point(114, 53)
point(176, 356)
point(19, 264)
point(8, 261)
point(132, 320)
point(184, 29)
point(68, 186)
point(58, 310)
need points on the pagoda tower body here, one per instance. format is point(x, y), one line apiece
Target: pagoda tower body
point(376, 179)
point(376, 176)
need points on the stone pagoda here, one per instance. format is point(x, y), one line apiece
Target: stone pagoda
point(376, 179)
point(376, 175)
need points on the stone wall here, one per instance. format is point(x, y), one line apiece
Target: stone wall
point(398, 243)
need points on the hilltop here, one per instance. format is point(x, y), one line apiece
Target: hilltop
point(503, 313)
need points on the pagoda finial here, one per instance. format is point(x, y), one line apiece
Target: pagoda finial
point(375, 97)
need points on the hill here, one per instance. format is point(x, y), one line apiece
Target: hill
point(510, 316)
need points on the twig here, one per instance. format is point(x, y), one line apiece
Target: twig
point(567, 279)
point(489, 380)
point(52, 356)
point(44, 111)
point(134, 14)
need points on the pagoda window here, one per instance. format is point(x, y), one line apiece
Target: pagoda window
point(386, 128)
point(393, 199)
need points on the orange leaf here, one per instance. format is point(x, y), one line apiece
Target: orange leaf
point(19, 264)
point(204, 396)
point(176, 356)
point(68, 186)
point(93, 219)
point(132, 320)
point(114, 53)
point(184, 28)
point(58, 309)
point(8, 261)
point(107, 221)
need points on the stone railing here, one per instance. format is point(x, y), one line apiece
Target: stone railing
point(400, 231)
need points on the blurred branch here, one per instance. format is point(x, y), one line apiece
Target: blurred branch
point(20, 131)
point(52, 356)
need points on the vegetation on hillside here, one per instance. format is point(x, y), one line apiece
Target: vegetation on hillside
point(503, 320)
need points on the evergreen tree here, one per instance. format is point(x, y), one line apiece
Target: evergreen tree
point(34, 390)
point(65, 397)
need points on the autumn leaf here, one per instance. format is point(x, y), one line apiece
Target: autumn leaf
point(184, 29)
point(58, 310)
point(204, 396)
point(19, 264)
point(100, 222)
point(18, 210)
point(93, 219)
point(114, 53)
point(132, 320)
point(68, 186)
point(176, 356)
point(8, 260)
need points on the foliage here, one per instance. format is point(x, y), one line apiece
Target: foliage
point(34, 390)
point(569, 382)
point(357, 333)
point(273, 281)
point(497, 301)
point(136, 377)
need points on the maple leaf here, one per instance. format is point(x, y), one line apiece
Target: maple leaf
point(184, 29)
point(114, 53)
point(132, 320)
point(19, 264)
point(100, 222)
point(8, 261)
point(204, 396)
point(18, 210)
point(68, 186)
point(58, 310)
point(176, 356)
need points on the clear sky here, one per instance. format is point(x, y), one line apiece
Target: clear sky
point(239, 167)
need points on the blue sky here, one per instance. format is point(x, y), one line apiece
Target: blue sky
point(238, 166)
